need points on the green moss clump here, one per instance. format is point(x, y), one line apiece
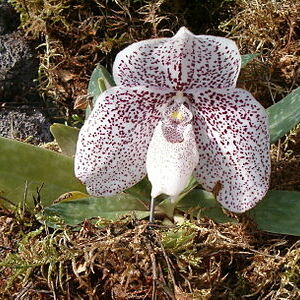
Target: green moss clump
point(126, 259)
point(270, 28)
point(75, 35)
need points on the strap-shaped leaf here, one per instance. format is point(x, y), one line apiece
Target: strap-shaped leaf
point(141, 190)
point(100, 81)
point(73, 209)
point(246, 58)
point(76, 211)
point(200, 203)
point(284, 115)
point(25, 168)
point(278, 212)
point(95, 88)
point(167, 206)
point(66, 137)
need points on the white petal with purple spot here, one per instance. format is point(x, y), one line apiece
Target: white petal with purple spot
point(182, 62)
point(112, 144)
point(231, 131)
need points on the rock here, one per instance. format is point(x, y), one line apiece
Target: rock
point(25, 123)
point(18, 68)
point(9, 19)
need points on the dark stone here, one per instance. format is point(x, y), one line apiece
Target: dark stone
point(25, 123)
point(18, 68)
point(9, 19)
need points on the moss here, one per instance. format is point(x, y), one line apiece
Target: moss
point(270, 28)
point(128, 260)
point(75, 35)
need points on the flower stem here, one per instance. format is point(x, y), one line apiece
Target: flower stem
point(151, 217)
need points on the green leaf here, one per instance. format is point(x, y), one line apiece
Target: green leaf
point(76, 211)
point(24, 168)
point(100, 81)
point(284, 115)
point(192, 184)
point(94, 88)
point(278, 212)
point(200, 203)
point(167, 207)
point(66, 137)
point(246, 58)
point(141, 190)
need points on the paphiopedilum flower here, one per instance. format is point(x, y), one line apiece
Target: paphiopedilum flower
point(175, 112)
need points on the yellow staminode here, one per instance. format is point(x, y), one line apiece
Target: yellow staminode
point(177, 115)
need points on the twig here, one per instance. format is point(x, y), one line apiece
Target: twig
point(154, 280)
point(273, 100)
point(169, 267)
point(6, 248)
point(7, 200)
point(24, 291)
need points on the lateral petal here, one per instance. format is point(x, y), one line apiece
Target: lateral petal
point(182, 62)
point(231, 131)
point(112, 144)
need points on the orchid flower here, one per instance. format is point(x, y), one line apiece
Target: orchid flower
point(176, 112)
